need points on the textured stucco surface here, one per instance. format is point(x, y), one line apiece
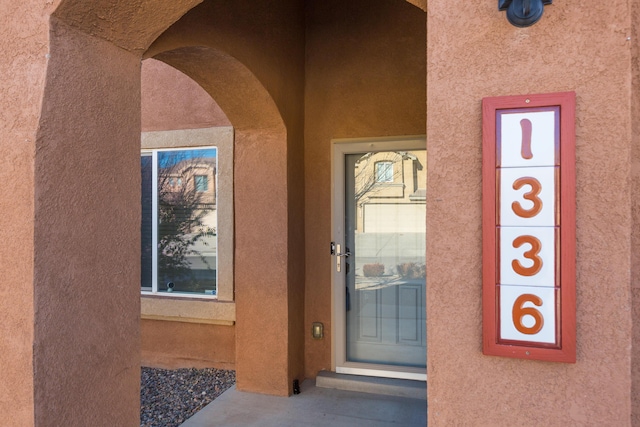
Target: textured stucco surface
point(86, 231)
point(23, 46)
point(129, 24)
point(249, 57)
point(476, 53)
point(365, 78)
point(635, 212)
point(171, 100)
point(173, 345)
point(188, 310)
point(245, 101)
point(177, 112)
point(422, 4)
point(262, 321)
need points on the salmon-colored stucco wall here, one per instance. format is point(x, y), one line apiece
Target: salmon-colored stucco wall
point(635, 211)
point(23, 49)
point(170, 345)
point(249, 57)
point(475, 53)
point(86, 231)
point(47, 352)
point(171, 100)
point(61, 301)
point(365, 78)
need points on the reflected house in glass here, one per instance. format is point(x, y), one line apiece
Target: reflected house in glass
point(390, 193)
point(386, 272)
point(186, 224)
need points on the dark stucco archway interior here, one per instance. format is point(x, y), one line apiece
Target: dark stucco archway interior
point(254, 59)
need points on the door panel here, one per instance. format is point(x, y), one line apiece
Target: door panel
point(385, 274)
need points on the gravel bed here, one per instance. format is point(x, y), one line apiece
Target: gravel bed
point(169, 397)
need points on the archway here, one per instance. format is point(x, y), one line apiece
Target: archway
point(260, 144)
point(85, 215)
point(87, 166)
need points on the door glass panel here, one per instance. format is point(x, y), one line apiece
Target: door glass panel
point(386, 275)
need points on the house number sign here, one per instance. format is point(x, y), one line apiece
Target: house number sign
point(529, 226)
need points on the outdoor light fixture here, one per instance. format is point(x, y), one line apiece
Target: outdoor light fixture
point(523, 13)
point(317, 330)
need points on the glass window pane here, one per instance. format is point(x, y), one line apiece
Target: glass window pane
point(384, 172)
point(147, 221)
point(202, 183)
point(187, 221)
point(386, 270)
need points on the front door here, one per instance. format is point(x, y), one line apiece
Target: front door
point(379, 268)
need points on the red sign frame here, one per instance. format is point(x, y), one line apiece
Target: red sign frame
point(564, 347)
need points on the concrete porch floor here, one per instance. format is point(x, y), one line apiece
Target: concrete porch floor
point(314, 406)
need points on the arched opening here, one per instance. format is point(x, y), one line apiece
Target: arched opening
point(253, 59)
point(258, 90)
point(179, 116)
point(259, 141)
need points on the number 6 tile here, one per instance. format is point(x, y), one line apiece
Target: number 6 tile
point(527, 314)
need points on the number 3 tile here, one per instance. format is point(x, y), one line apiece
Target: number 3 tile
point(527, 196)
point(537, 265)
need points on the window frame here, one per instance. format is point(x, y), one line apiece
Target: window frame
point(198, 180)
point(389, 168)
point(196, 308)
point(153, 152)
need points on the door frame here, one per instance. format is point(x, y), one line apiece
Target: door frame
point(340, 148)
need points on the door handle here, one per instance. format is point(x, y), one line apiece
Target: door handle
point(339, 257)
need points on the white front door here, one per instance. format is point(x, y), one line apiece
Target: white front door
point(379, 261)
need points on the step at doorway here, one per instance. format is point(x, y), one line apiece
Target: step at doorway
point(387, 386)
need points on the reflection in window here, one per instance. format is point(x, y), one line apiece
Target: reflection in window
point(181, 231)
point(384, 172)
point(146, 163)
point(202, 183)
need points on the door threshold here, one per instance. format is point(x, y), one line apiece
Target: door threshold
point(382, 371)
point(412, 389)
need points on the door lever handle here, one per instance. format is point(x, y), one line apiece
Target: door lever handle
point(339, 256)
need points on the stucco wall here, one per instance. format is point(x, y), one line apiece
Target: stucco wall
point(249, 57)
point(86, 229)
point(475, 53)
point(49, 350)
point(173, 345)
point(197, 319)
point(365, 78)
point(23, 49)
point(635, 211)
point(171, 100)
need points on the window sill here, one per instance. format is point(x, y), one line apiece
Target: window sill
point(208, 311)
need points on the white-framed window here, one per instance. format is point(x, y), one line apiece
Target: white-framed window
point(179, 222)
point(384, 171)
point(201, 183)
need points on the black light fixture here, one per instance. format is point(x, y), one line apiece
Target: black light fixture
point(523, 13)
